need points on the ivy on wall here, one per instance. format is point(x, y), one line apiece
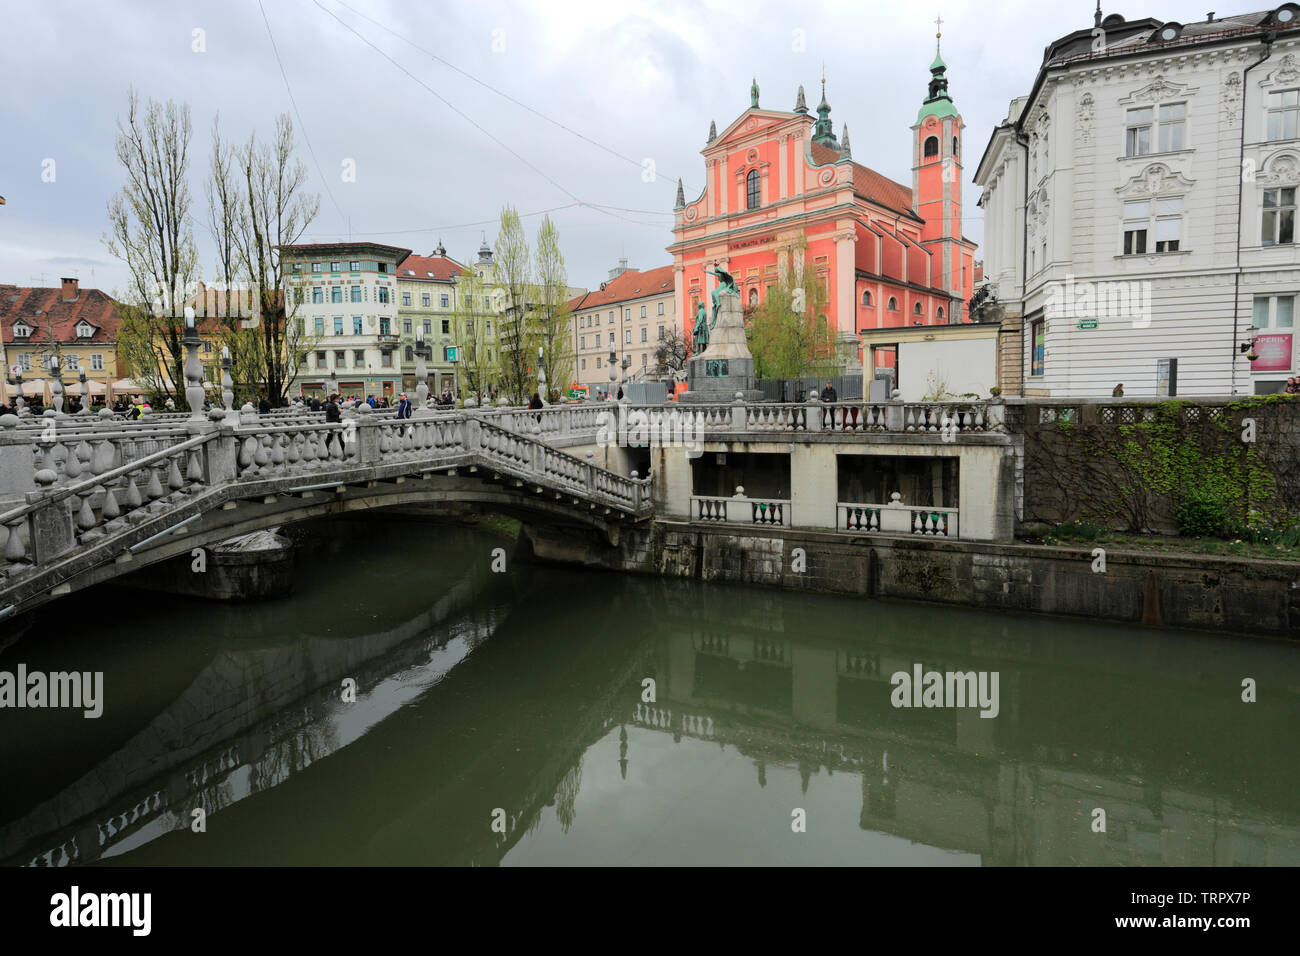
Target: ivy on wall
point(1167, 472)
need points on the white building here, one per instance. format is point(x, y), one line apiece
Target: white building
point(1139, 210)
point(345, 297)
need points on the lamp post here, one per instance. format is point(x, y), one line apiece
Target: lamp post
point(193, 367)
point(541, 376)
point(18, 400)
point(627, 364)
point(85, 393)
point(422, 354)
point(613, 371)
point(56, 387)
point(228, 387)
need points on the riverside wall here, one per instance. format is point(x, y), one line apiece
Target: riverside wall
point(1239, 596)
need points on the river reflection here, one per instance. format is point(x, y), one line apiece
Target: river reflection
point(501, 718)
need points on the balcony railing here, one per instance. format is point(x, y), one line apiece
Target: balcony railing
point(896, 518)
point(742, 510)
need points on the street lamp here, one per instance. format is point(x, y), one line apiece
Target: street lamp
point(541, 375)
point(85, 393)
point(56, 387)
point(193, 367)
point(422, 355)
point(627, 364)
point(228, 387)
point(613, 371)
point(18, 382)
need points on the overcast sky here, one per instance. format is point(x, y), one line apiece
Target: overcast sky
point(632, 81)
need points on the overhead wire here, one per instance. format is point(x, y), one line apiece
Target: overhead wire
point(296, 112)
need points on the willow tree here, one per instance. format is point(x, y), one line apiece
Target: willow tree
point(150, 230)
point(789, 334)
point(513, 288)
point(551, 317)
point(278, 211)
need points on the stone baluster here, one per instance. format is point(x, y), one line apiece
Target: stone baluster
point(813, 414)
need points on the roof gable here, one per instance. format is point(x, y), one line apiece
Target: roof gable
point(742, 128)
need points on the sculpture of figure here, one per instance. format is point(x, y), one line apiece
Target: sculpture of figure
point(700, 333)
point(725, 284)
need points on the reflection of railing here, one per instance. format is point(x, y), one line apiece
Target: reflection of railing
point(896, 518)
point(742, 510)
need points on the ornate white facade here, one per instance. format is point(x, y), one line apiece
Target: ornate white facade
point(1157, 221)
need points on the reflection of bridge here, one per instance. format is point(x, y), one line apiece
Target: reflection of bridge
point(90, 499)
point(1015, 790)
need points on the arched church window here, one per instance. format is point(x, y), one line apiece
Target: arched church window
point(931, 147)
point(938, 313)
point(866, 299)
point(954, 145)
point(893, 304)
point(752, 190)
point(916, 309)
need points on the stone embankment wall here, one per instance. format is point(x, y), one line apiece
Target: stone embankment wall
point(1231, 595)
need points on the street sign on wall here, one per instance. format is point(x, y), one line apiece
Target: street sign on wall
point(1087, 323)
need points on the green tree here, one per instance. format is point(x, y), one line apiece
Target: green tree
point(515, 338)
point(476, 370)
point(551, 317)
point(788, 333)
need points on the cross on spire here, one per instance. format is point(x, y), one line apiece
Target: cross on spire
point(938, 32)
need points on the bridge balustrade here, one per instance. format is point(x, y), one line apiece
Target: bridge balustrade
point(71, 484)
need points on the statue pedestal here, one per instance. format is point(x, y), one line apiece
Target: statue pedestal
point(725, 367)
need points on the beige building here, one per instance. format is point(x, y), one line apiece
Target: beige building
point(428, 288)
point(630, 315)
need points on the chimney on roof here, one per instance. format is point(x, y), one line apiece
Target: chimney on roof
point(70, 290)
point(1209, 17)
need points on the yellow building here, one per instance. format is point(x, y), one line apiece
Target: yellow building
point(78, 327)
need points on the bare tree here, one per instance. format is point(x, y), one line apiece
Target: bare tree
point(551, 317)
point(150, 230)
point(227, 221)
point(672, 352)
point(278, 213)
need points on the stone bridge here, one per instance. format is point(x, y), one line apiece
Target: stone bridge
point(84, 499)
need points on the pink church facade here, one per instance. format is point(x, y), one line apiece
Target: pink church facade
point(889, 255)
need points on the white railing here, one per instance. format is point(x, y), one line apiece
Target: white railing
point(896, 518)
point(742, 510)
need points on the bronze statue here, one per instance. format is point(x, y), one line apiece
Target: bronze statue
point(727, 285)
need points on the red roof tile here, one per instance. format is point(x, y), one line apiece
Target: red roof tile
point(37, 307)
point(868, 183)
point(632, 284)
point(442, 268)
